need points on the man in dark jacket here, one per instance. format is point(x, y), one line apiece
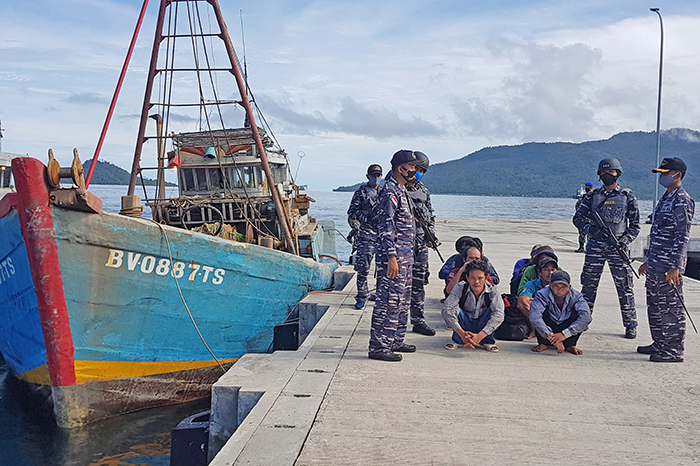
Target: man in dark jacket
point(361, 217)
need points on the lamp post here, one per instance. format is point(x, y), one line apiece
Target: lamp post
point(658, 114)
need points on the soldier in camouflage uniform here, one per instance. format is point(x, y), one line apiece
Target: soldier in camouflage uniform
point(619, 210)
point(666, 260)
point(423, 213)
point(361, 219)
point(581, 234)
point(396, 227)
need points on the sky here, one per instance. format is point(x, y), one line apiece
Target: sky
point(345, 84)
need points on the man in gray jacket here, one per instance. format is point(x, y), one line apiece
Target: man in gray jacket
point(474, 310)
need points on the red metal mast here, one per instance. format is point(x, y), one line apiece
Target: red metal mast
point(113, 104)
point(147, 96)
point(256, 134)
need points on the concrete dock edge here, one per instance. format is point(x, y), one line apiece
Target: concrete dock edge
point(272, 399)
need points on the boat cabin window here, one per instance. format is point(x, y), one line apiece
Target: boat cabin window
point(216, 180)
point(211, 179)
point(187, 177)
point(233, 178)
point(5, 175)
point(200, 177)
point(279, 174)
point(250, 179)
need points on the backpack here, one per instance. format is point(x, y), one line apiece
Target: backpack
point(515, 326)
point(518, 270)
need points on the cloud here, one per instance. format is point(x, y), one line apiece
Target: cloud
point(181, 118)
point(86, 98)
point(10, 76)
point(353, 117)
point(543, 97)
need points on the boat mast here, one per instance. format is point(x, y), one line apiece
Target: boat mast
point(245, 102)
point(115, 96)
point(281, 212)
point(135, 167)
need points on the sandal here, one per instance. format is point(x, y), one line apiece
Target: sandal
point(490, 348)
point(452, 346)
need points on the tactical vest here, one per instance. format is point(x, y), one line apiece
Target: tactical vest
point(612, 209)
point(419, 198)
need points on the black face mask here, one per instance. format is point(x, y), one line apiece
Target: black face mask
point(410, 176)
point(608, 179)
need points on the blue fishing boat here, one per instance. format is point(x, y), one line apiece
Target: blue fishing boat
point(110, 313)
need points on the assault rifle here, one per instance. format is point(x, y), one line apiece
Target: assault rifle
point(680, 298)
point(430, 236)
point(352, 239)
point(612, 240)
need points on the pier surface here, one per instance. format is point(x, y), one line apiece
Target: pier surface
point(609, 406)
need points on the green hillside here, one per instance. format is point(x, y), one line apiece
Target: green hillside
point(108, 173)
point(558, 169)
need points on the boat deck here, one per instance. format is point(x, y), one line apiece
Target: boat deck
point(327, 403)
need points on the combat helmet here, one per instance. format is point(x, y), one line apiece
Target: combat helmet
point(423, 161)
point(610, 164)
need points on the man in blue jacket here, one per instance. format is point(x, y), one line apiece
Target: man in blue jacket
point(559, 315)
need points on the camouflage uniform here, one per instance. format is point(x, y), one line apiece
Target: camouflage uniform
point(668, 248)
point(581, 234)
point(396, 227)
point(423, 212)
point(362, 208)
point(619, 210)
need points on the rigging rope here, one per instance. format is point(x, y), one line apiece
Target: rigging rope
point(179, 290)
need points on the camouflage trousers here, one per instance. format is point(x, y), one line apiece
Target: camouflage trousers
point(366, 249)
point(666, 315)
point(420, 278)
point(597, 253)
point(581, 239)
point(390, 314)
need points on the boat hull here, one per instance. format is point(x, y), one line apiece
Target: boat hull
point(140, 310)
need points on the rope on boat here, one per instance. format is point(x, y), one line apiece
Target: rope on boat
point(177, 283)
point(326, 256)
point(192, 15)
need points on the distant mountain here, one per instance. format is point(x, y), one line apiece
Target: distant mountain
point(348, 189)
point(108, 173)
point(558, 169)
point(353, 188)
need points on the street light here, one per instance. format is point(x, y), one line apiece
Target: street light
point(658, 114)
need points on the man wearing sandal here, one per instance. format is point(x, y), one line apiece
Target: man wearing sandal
point(559, 315)
point(474, 310)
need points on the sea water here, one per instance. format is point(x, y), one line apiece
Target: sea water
point(29, 436)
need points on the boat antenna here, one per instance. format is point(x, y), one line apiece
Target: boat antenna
point(301, 155)
point(245, 63)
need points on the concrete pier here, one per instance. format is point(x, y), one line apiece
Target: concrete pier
point(328, 404)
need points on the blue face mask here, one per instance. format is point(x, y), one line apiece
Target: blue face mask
point(666, 180)
point(374, 181)
point(419, 175)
